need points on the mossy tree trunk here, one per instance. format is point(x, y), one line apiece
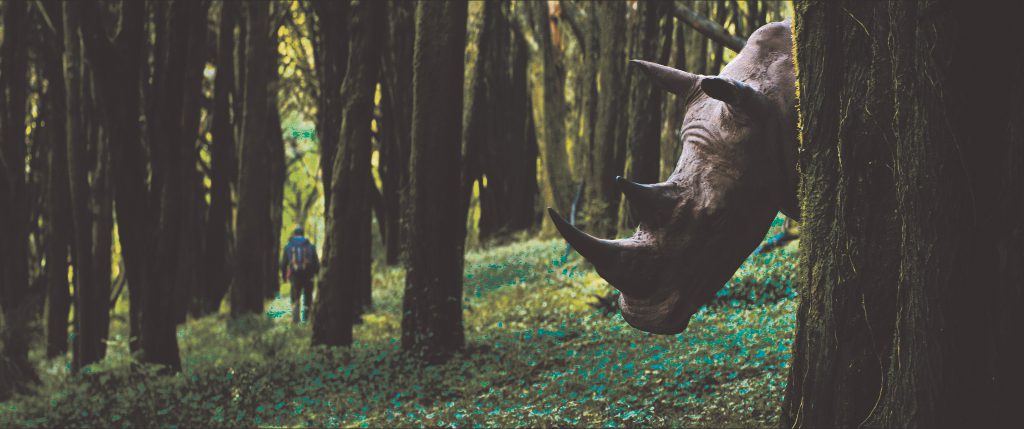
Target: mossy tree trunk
point(547, 89)
point(348, 213)
point(912, 190)
point(432, 307)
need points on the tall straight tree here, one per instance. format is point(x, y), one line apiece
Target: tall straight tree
point(253, 219)
point(193, 201)
point(547, 90)
point(396, 123)
point(172, 138)
point(650, 36)
point(912, 245)
point(58, 209)
point(276, 160)
point(217, 261)
point(607, 154)
point(15, 370)
point(118, 80)
point(498, 140)
point(88, 156)
point(432, 308)
point(329, 37)
point(348, 213)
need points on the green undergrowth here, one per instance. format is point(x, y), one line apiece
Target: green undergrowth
point(537, 354)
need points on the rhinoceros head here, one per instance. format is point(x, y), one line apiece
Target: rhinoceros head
point(736, 171)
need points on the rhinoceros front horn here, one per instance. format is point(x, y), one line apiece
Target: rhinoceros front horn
point(599, 252)
point(672, 80)
point(610, 257)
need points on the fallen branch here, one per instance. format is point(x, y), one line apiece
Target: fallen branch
point(707, 27)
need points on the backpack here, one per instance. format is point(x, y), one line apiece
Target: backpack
point(300, 257)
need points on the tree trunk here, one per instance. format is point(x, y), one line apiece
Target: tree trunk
point(193, 203)
point(495, 140)
point(217, 270)
point(57, 200)
point(87, 156)
point(173, 137)
point(650, 39)
point(607, 155)
point(15, 370)
point(348, 217)
point(278, 173)
point(396, 123)
point(674, 106)
point(253, 220)
point(432, 307)
point(912, 243)
point(547, 89)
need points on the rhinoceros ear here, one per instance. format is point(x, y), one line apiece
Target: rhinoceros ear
point(672, 80)
point(728, 90)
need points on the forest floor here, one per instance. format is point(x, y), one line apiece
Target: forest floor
point(538, 354)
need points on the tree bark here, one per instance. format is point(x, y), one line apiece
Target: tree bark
point(193, 202)
point(912, 244)
point(607, 155)
point(547, 89)
point(650, 39)
point(278, 172)
point(173, 137)
point(15, 370)
point(57, 200)
point(396, 124)
point(348, 217)
point(87, 156)
point(219, 235)
point(432, 307)
point(253, 219)
point(495, 137)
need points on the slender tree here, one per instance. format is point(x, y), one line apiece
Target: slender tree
point(913, 204)
point(172, 139)
point(497, 140)
point(57, 199)
point(217, 269)
point(278, 171)
point(432, 308)
point(88, 155)
point(348, 213)
point(650, 35)
point(253, 219)
point(607, 153)
point(15, 370)
point(547, 89)
point(396, 123)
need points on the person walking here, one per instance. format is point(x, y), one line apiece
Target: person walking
point(299, 264)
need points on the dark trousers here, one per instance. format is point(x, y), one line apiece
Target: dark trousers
point(302, 287)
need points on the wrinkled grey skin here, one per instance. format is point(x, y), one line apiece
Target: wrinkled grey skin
point(737, 169)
